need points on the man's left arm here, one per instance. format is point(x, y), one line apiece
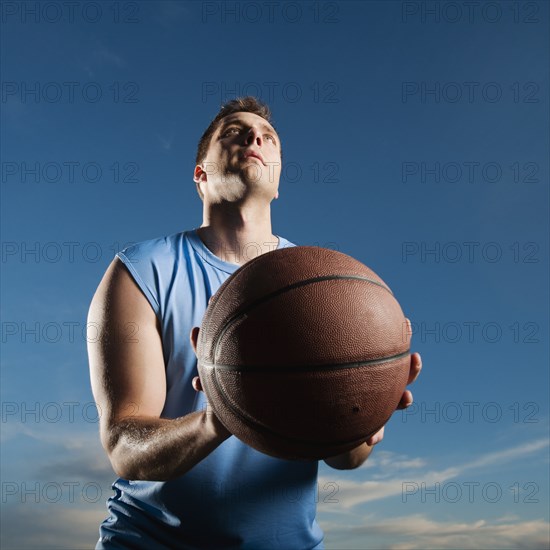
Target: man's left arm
point(354, 458)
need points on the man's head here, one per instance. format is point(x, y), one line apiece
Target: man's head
point(227, 154)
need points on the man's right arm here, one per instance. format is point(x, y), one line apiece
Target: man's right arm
point(129, 385)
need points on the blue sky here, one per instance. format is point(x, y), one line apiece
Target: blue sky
point(414, 140)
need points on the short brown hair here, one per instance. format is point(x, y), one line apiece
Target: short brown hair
point(248, 104)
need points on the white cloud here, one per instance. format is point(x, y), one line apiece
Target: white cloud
point(491, 459)
point(353, 492)
point(51, 526)
point(392, 461)
point(71, 436)
point(64, 454)
point(420, 532)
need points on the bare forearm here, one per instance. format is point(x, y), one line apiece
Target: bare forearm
point(350, 459)
point(158, 449)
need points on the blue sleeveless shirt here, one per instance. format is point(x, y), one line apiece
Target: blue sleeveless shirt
point(236, 497)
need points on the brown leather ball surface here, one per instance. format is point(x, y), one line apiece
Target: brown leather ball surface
point(303, 353)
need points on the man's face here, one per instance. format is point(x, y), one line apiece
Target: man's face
point(244, 159)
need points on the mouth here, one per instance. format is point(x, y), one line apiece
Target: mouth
point(249, 155)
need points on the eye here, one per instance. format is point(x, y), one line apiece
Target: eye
point(229, 130)
point(271, 138)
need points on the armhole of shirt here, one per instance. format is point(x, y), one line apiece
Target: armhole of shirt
point(140, 282)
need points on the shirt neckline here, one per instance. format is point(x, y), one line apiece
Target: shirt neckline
point(208, 256)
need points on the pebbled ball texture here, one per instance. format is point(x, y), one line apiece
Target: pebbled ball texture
point(303, 353)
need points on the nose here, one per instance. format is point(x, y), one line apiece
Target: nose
point(254, 135)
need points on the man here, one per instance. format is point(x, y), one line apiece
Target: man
point(185, 481)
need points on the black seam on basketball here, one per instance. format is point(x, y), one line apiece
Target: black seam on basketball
point(280, 291)
point(247, 419)
point(258, 426)
point(306, 368)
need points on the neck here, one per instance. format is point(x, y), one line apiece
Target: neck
point(237, 233)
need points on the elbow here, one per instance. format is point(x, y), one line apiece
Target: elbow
point(120, 463)
point(121, 456)
point(122, 469)
point(130, 467)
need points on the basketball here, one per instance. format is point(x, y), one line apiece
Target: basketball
point(303, 353)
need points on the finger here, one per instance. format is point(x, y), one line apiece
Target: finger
point(406, 400)
point(375, 438)
point(416, 367)
point(409, 328)
point(194, 336)
point(196, 382)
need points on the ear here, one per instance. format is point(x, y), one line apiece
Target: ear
point(199, 174)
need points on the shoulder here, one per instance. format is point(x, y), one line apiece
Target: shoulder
point(153, 264)
point(285, 243)
point(159, 247)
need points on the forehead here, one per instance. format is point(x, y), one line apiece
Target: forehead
point(247, 118)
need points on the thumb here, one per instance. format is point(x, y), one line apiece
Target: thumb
point(196, 382)
point(194, 336)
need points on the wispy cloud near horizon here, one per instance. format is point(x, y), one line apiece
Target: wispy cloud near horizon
point(421, 532)
point(353, 492)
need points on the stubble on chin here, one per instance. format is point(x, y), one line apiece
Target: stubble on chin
point(231, 187)
point(239, 178)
